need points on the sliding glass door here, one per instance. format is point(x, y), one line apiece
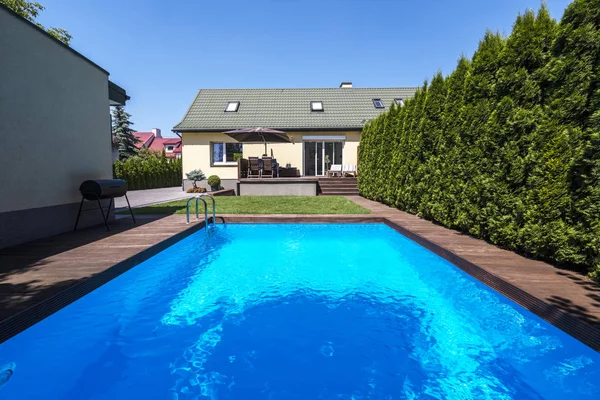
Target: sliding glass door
point(319, 156)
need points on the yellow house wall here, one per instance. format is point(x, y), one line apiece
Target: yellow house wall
point(196, 154)
point(196, 151)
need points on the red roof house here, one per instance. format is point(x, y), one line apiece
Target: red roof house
point(154, 141)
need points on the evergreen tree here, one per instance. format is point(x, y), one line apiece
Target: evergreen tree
point(411, 152)
point(450, 146)
point(30, 11)
point(427, 176)
point(122, 132)
point(475, 191)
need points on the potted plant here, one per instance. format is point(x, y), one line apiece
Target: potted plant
point(215, 182)
point(194, 176)
point(327, 162)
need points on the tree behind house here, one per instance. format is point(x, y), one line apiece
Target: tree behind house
point(122, 133)
point(30, 10)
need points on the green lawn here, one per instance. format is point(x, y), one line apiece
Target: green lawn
point(263, 205)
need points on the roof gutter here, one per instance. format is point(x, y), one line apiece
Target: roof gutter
point(346, 129)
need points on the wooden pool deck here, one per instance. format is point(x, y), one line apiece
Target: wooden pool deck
point(40, 277)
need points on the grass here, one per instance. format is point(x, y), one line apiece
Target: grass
point(264, 205)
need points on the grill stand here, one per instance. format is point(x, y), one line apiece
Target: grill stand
point(104, 217)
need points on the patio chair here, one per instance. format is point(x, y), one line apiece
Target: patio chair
point(335, 169)
point(253, 168)
point(349, 169)
point(267, 169)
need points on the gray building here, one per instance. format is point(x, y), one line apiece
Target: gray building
point(55, 129)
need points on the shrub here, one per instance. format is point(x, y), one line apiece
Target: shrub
point(506, 147)
point(214, 181)
point(148, 170)
point(195, 175)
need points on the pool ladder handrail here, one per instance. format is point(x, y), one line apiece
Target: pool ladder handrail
point(200, 197)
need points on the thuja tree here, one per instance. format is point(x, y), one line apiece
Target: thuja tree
point(122, 133)
point(450, 147)
point(480, 100)
point(426, 174)
point(513, 126)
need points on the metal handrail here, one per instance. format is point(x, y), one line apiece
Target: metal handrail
point(205, 211)
point(187, 210)
point(200, 198)
point(214, 206)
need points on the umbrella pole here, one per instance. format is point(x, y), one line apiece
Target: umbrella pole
point(265, 148)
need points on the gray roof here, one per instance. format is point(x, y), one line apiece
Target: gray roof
point(288, 109)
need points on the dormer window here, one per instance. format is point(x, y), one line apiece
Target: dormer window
point(316, 106)
point(378, 103)
point(399, 101)
point(169, 148)
point(232, 106)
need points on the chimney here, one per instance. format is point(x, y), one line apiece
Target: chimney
point(156, 132)
point(346, 85)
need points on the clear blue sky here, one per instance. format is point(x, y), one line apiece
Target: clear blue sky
point(163, 52)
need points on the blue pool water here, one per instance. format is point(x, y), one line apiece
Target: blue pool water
point(296, 312)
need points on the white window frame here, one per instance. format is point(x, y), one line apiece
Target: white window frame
point(171, 148)
point(236, 106)
point(375, 101)
point(222, 163)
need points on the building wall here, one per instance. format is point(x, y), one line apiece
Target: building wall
point(196, 151)
point(54, 126)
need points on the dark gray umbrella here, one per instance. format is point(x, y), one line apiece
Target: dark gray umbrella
point(259, 135)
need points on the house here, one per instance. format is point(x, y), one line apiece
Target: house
point(324, 125)
point(54, 118)
point(154, 141)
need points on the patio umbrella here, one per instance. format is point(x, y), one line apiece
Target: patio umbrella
point(259, 135)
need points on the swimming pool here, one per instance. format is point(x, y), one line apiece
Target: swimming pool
point(296, 311)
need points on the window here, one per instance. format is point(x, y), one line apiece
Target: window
point(399, 101)
point(232, 106)
point(169, 148)
point(225, 153)
point(378, 103)
point(316, 106)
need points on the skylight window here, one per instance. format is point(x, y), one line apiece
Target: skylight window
point(232, 106)
point(316, 106)
point(378, 103)
point(399, 101)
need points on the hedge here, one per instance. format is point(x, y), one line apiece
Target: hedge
point(148, 171)
point(507, 147)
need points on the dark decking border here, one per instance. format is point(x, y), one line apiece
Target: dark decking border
point(19, 322)
point(579, 329)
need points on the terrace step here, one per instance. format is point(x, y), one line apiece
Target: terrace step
point(348, 193)
point(338, 187)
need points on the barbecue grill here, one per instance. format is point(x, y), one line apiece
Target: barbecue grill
point(102, 189)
